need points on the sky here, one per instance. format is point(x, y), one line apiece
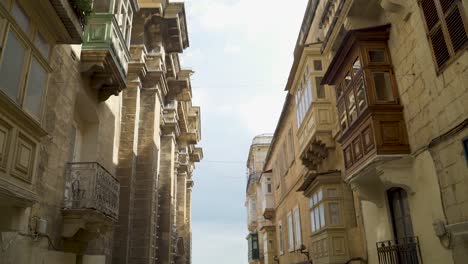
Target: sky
point(241, 52)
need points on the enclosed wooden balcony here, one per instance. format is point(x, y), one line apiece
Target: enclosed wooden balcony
point(105, 53)
point(369, 110)
point(65, 19)
point(91, 203)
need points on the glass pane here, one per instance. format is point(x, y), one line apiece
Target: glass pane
point(42, 45)
point(347, 79)
point(297, 224)
point(352, 111)
point(361, 94)
point(317, 65)
point(339, 90)
point(36, 84)
point(357, 66)
point(12, 66)
point(102, 6)
point(332, 193)
point(334, 213)
point(383, 86)
point(320, 195)
point(315, 199)
point(322, 215)
point(343, 116)
point(316, 218)
point(312, 221)
point(320, 88)
point(311, 202)
point(21, 18)
point(377, 56)
point(290, 232)
point(309, 90)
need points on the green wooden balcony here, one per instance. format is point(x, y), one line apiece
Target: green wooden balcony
point(105, 55)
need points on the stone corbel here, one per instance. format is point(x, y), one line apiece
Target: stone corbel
point(397, 173)
point(392, 6)
point(371, 190)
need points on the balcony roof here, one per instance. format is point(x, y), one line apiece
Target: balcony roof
point(370, 33)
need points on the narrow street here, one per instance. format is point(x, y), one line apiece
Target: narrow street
point(233, 132)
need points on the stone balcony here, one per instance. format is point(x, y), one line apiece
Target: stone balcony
point(69, 29)
point(180, 87)
point(196, 155)
point(268, 206)
point(105, 55)
point(170, 118)
point(91, 202)
point(175, 36)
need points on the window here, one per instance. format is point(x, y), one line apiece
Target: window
point(23, 70)
point(317, 211)
point(317, 65)
point(269, 187)
point(320, 88)
point(290, 233)
point(383, 86)
point(303, 97)
point(324, 210)
point(281, 238)
point(446, 29)
point(297, 228)
point(124, 16)
point(290, 143)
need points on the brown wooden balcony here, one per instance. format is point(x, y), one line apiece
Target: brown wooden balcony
point(369, 111)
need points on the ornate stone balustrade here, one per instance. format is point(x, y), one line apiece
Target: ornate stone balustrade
point(88, 186)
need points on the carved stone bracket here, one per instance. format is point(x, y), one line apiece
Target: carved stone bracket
point(382, 174)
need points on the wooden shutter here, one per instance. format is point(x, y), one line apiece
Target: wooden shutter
point(446, 28)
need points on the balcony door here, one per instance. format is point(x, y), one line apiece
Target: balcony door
point(400, 213)
point(405, 248)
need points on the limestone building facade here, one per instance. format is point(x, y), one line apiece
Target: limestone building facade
point(259, 196)
point(98, 134)
point(376, 111)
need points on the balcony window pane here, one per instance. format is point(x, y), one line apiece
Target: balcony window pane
point(36, 87)
point(343, 116)
point(317, 218)
point(320, 195)
point(322, 215)
point(334, 213)
point(383, 86)
point(12, 66)
point(42, 45)
point(361, 94)
point(103, 6)
point(312, 220)
point(351, 103)
point(339, 91)
point(377, 56)
point(21, 18)
point(315, 199)
point(357, 66)
point(347, 79)
point(317, 65)
point(332, 193)
point(320, 88)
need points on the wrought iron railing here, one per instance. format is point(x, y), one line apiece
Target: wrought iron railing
point(402, 251)
point(89, 186)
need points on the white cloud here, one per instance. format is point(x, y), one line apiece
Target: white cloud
point(232, 49)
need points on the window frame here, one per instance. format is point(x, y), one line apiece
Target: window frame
point(442, 24)
point(280, 237)
point(297, 228)
point(291, 238)
point(319, 201)
point(28, 40)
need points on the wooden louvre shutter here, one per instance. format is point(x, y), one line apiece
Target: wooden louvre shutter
point(445, 28)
